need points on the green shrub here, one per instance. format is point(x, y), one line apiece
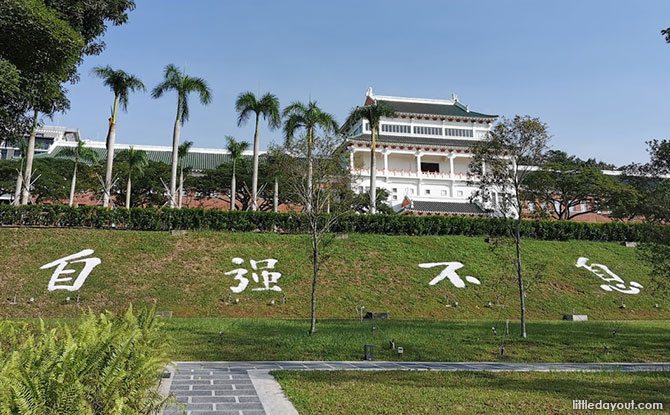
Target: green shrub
point(105, 365)
point(152, 219)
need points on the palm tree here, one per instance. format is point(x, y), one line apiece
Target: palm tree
point(136, 160)
point(236, 148)
point(182, 151)
point(121, 83)
point(79, 153)
point(183, 85)
point(268, 107)
point(308, 117)
point(372, 113)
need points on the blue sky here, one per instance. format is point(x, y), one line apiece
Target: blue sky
point(595, 71)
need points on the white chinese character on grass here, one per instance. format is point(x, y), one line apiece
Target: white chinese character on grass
point(57, 283)
point(269, 279)
point(449, 272)
point(615, 283)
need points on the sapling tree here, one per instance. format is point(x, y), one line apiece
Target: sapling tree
point(501, 181)
point(324, 189)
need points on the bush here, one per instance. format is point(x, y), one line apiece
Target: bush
point(106, 365)
point(152, 219)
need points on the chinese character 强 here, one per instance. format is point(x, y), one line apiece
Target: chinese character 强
point(615, 283)
point(269, 279)
point(450, 272)
point(61, 264)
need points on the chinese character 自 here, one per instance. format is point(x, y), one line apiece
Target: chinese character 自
point(56, 283)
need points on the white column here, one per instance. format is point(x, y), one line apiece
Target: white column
point(451, 166)
point(351, 160)
point(418, 169)
point(385, 152)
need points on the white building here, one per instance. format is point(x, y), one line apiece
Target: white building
point(46, 139)
point(422, 154)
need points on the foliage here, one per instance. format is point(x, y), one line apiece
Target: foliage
point(120, 83)
point(501, 181)
point(104, 365)
point(361, 202)
point(557, 189)
point(154, 219)
point(183, 84)
point(89, 18)
point(40, 52)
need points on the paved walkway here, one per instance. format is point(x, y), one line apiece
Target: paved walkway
point(244, 388)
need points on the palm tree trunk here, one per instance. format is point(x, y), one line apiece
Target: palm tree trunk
point(175, 155)
point(276, 196)
point(373, 172)
point(25, 193)
point(254, 177)
point(128, 189)
point(310, 169)
point(17, 191)
point(233, 189)
point(181, 186)
point(73, 185)
point(111, 140)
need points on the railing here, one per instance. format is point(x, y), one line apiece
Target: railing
point(415, 174)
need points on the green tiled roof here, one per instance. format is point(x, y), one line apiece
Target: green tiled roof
point(196, 160)
point(455, 110)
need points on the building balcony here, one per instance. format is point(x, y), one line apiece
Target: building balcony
point(414, 174)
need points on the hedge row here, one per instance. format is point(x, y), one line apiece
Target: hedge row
point(152, 219)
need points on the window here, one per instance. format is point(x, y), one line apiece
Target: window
point(460, 193)
point(458, 132)
point(366, 126)
point(395, 128)
point(395, 197)
point(356, 132)
point(394, 190)
point(428, 130)
point(411, 191)
point(427, 191)
point(444, 193)
point(430, 167)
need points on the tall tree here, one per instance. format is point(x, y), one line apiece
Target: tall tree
point(78, 153)
point(495, 169)
point(329, 201)
point(235, 148)
point(372, 113)
point(121, 84)
point(23, 149)
point(182, 152)
point(268, 108)
point(42, 43)
point(309, 118)
point(183, 84)
point(136, 161)
point(557, 189)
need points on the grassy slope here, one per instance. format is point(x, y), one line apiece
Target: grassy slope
point(186, 275)
point(467, 393)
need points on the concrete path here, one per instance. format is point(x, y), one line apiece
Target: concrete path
point(246, 388)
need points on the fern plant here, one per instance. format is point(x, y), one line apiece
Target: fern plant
point(105, 365)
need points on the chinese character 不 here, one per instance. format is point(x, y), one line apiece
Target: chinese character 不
point(60, 264)
point(269, 279)
point(615, 282)
point(449, 272)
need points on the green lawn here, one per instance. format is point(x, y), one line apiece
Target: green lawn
point(398, 392)
point(186, 275)
point(548, 341)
